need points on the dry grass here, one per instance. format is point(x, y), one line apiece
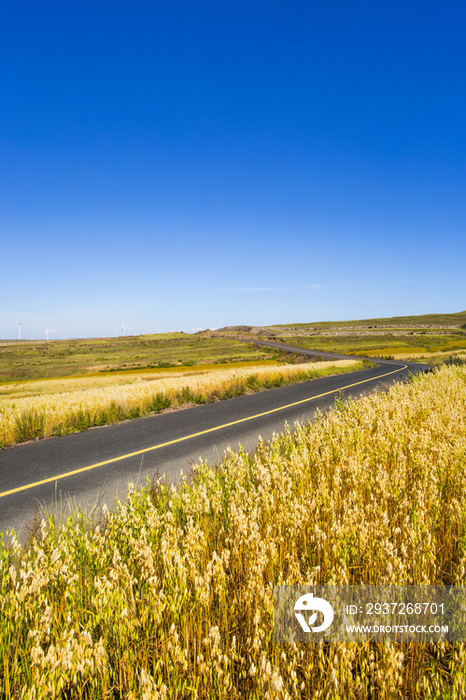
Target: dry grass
point(102, 380)
point(171, 596)
point(68, 405)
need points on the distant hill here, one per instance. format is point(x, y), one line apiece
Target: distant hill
point(456, 319)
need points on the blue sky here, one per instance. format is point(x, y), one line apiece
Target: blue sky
point(182, 165)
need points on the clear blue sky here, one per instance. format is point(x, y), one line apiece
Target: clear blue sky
point(183, 165)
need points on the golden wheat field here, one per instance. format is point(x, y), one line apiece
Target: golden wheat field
point(171, 595)
point(71, 404)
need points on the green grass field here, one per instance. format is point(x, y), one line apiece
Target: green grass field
point(66, 358)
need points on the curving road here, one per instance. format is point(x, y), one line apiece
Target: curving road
point(96, 466)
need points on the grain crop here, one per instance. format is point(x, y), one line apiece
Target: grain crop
point(171, 595)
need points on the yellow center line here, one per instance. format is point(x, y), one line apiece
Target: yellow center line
point(189, 437)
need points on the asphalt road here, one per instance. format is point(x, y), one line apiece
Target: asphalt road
point(94, 467)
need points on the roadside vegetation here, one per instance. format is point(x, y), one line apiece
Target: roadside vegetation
point(33, 410)
point(171, 595)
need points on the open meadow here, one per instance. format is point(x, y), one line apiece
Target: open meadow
point(171, 595)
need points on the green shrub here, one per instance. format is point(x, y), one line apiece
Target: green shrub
point(253, 382)
point(158, 402)
point(82, 419)
point(230, 392)
point(28, 425)
point(187, 395)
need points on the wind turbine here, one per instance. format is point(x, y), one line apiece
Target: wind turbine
point(122, 328)
point(47, 331)
point(19, 329)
